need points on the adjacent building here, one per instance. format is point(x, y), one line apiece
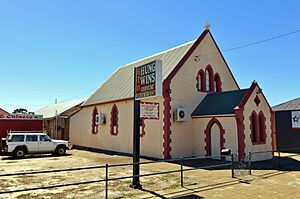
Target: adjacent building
point(3, 112)
point(19, 122)
point(287, 122)
point(56, 118)
point(201, 111)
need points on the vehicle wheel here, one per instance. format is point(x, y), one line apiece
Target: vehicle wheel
point(61, 150)
point(19, 153)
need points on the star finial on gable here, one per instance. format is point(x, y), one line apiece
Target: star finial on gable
point(206, 26)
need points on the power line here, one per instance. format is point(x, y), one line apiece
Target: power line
point(226, 50)
point(262, 41)
point(251, 44)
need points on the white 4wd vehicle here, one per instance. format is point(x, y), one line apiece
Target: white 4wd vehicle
point(20, 144)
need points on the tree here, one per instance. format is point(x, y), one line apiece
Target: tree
point(20, 111)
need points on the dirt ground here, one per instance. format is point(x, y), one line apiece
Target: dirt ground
point(265, 181)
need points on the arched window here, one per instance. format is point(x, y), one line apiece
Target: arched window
point(262, 127)
point(114, 119)
point(95, 121)
point(209, 84)
point(254, 127)
point(217, 83)
point(200, 80)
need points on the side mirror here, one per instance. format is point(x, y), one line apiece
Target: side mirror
point(8, 140)
point(225, 152)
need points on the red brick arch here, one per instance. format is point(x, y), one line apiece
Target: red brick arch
point(207, 133)
point(114, 120)
point(210, 71)
point(94, 125)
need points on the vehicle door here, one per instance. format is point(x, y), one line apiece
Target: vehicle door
point(15, 140)
point(32, 144)
point(45, 144)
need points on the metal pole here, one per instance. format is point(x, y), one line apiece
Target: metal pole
point(232, 165)
point(106, 181)
point(181, 172)
point(279, 159)
point(136, 139)
point(250, 159)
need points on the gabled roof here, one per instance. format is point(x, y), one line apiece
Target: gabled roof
point(222, 103)
point(120, 84)
point(287, 106)
point(2, 111)
point(50, 110)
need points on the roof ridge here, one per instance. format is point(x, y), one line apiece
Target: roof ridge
point(297, 98)
point(159, 53)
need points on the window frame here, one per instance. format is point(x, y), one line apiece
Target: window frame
point(209, 82)
point(262, 127)
point(217, 83)
point(94, 118)
point(114, 120)
point(200, 80)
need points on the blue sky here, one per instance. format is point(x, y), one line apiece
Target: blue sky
point(65, 49)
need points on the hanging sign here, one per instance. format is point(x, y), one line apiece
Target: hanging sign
point(149, 110)
point(148, 80)
point(295, 119)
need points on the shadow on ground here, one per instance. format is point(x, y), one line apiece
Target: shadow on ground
point(286, 163)
point(33, 156)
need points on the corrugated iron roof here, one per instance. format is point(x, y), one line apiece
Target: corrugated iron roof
point(288, 106)
point(120, 84)
point(222, 103)
point(50, 110)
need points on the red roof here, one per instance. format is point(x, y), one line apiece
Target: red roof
point(3, 112)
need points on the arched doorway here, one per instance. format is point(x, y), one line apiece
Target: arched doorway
point(214, 139)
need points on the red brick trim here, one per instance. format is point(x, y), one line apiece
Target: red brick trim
point(142, 124)
point(167, 97)
point(218, 81)
point(207, 133)
point(114, 110)
point(255, 128)
point(94, 125)
point(186, 56)
point(211, 78)
point(166, 120)
point(239, 116)
point(248, 94)
point(260, 131)
point(224, 60)
point(262, 128)
point(202, 75)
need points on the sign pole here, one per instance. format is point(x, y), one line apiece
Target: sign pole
point(136, 139)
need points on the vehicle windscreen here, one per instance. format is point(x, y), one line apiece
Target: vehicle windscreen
point(45, 138)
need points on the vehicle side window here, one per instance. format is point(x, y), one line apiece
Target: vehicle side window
point(31, 138)
point(45, 138)
point(17, 138)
